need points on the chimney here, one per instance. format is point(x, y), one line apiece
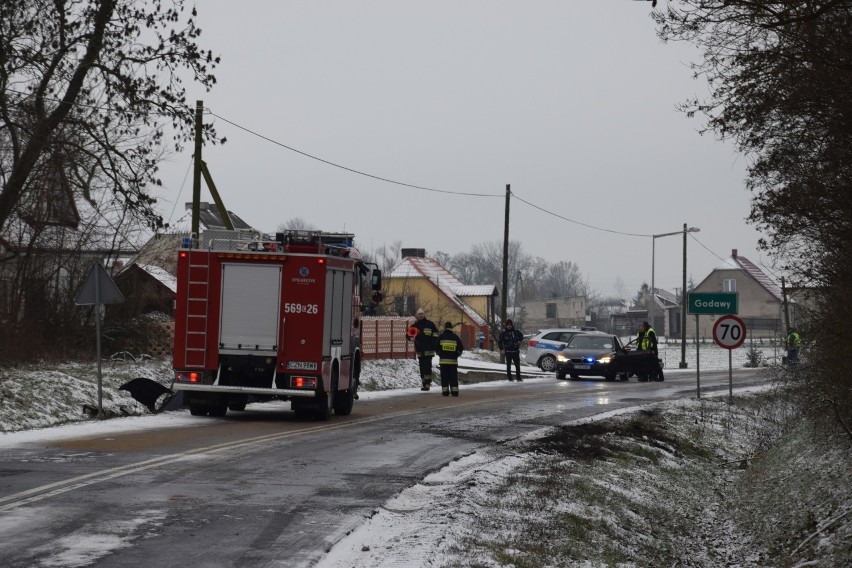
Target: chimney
point(734, 253)
point(413, 252)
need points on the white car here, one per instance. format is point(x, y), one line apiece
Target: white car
point(543, 347)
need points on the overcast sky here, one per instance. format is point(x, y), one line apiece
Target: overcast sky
point(571, 103)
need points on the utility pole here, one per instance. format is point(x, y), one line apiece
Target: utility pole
point(505, 294)
point(683, 308)
point(196, 170)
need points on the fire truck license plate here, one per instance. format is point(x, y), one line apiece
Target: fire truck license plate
point(302, 365)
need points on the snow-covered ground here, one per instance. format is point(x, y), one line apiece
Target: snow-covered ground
point(547, 499)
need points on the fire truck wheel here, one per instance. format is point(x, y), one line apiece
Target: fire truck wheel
point(219, 410)
point(325, 401)
point(197, 410)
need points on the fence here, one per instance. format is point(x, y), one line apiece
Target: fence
point(384, 337)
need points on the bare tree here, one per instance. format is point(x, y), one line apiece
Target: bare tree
point(99, 80)
point(780, 75)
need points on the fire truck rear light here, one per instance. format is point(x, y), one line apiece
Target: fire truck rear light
point(183, 255)
point(303, 382)
point(189, 377)
point(320, 261)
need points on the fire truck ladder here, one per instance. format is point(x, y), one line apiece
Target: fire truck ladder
point(197, 308)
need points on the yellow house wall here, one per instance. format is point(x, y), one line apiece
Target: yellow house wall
point(479, 304)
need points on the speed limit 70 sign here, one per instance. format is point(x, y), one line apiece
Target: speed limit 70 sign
point(729, 332)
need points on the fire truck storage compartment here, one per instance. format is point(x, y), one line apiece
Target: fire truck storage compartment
point(338, 312)
point(251, 296)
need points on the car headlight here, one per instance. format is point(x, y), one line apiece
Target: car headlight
point(605, 360)
point(561, 358)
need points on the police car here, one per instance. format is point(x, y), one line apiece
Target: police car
point(544, 346)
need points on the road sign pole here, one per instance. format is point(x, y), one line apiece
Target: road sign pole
point(98, 346)
point(697, 361)
point(730, 376)
point(98, 289)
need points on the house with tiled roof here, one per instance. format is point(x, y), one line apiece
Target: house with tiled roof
point(761, 302)
point(421, 282)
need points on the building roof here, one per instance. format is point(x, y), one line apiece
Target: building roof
point(741, 263)
point(166, 279)
point(759, 276)
point(475, 290)
point(441, 278)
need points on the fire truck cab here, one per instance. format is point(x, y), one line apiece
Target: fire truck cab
point(265, 319)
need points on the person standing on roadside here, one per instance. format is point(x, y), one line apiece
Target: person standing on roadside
point(648, 342)
point(450, 349)
point(510, 344)
point(424, 332)
point(794, 342)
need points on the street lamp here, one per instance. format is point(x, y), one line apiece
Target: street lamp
point(653, 284)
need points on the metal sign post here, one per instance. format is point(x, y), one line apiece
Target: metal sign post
point(710, 303)
point(96, 290)
point(729, 332)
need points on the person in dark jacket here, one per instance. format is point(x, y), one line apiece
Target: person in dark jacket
point(450, 349)
point(424, 333)
point(510, 344)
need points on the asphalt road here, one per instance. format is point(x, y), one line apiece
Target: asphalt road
point(260, 488)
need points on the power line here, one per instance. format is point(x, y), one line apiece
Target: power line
point(705, 248)
point(330, 163)
point(388, 180)
point(578, 222)
point(413, 186)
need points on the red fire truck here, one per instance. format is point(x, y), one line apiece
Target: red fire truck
point(259, 320)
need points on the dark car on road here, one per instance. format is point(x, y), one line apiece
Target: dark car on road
point(590, 354)
point(604, 355)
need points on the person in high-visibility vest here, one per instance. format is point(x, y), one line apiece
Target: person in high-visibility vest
point(424, 332)
point(648, 338)
point(794, 341)
point(648, 342)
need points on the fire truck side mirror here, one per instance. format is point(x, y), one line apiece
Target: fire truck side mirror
point(376, 280)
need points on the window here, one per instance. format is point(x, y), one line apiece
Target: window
point(550, 311)
point(729, 285)
point(405, 305)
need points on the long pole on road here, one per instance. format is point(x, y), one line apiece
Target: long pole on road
point(504, 300)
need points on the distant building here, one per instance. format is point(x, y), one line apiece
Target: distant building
point(552, 312)
point(760, 299)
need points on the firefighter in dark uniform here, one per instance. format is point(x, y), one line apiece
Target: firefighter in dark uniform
point(449, 349)
point(424, 333)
